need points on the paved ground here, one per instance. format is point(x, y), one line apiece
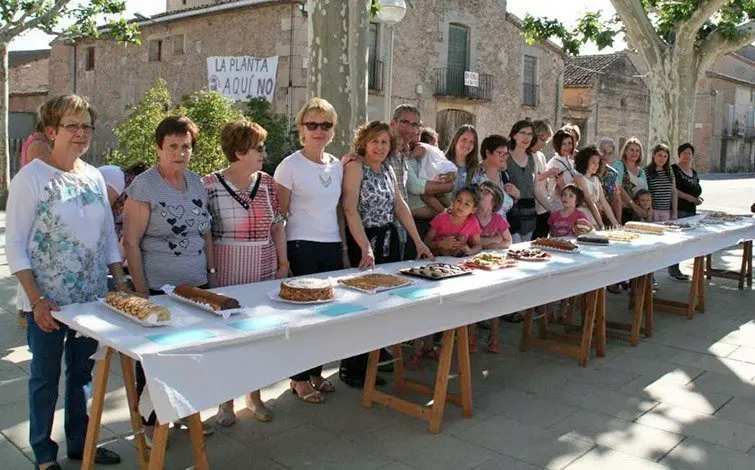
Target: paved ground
point(684, 399)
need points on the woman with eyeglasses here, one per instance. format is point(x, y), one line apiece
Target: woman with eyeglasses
point(248, 236)
point(309, 191)
point(521, 172)
point(61, 244)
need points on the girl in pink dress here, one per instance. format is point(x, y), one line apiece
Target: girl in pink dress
point(456, 233)
point(561, 222)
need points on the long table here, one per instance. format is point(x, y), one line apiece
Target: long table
point(272, 340)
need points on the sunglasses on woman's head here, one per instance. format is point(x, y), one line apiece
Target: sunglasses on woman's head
point(312, 126)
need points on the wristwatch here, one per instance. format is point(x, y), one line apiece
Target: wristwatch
point(211, 271)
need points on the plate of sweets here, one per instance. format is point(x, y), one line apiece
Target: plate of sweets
point(437, 271)
point(374, 282)
point(600, 240)
point(675, 226)
point(211, 302)
point(137, 309)
point(620, 235)
point(555, 244)
point(713, 218)
point(645, 227)
point(304, 290)
point(530, 254)
point(490, 261)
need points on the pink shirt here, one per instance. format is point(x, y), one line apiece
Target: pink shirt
point(561, 226)
point(444, 227)
point(496, 226)
point(35, 137)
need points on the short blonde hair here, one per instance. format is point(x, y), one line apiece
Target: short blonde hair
point(52, 111)
point(315, 105)
point(632, 141)
point(240, 136)
point(369, 131)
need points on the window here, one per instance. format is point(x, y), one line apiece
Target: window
point(178, 44)
point(529, 92)
point(89, 59)
point(374, 66)
point(458, 58)
point(155, 50)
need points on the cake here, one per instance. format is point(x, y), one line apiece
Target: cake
point(373, 281)
point(592, 240)
point(201, 296)
point(621, 235)
point(491, 261)
point(554, 243)
point(306, 289)
point(644, 227)
point(582, 227)
point(139, 307)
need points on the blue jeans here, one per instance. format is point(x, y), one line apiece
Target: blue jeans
point(47, 350)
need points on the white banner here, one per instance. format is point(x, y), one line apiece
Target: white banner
point(241, 78)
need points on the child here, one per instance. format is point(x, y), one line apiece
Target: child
point(454, 233)
point(561, 222)
point(495, 235)
point(434, 166)
point(643, 206)
point(662, 185)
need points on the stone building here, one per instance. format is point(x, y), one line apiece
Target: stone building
point(607, 97)
point(27, 81)
point(438, 43)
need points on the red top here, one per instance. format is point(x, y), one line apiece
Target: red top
point(444, 227)
point(496, 226)
point(561, 226)
point(35, 137)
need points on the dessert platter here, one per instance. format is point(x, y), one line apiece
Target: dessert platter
point(645, 227)
point(374, 282)
point(437, 271)
point(619, 235)
point(137, 309)
point(531, 254)
point(719, 218)
point(304, 290)
point(593, 240)
point(490, 261)
point(674, 226)
point(217, 304)
point(554, 244)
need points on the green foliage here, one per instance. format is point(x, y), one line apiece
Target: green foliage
point(665, 16)
point(279, 143)
point(209, 110)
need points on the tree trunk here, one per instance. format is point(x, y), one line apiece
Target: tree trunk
point(338, 64)
point(673, 90)
point(4, 150)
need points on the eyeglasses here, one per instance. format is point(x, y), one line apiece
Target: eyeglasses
point(407, 122)
point(312, 126)
point(74, 128)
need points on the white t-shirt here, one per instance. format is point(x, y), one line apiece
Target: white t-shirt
point(315, 194)
point(434, 163)
point(540, 166)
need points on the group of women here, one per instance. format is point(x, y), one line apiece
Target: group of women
point(239, 225)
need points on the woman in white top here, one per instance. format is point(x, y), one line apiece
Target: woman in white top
point(309, 192)
point(61, 244)
point(587, 164)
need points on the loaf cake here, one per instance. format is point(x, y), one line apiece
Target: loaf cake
point(644, 227)
point(554, 243)
point(306, 289)
point(215, 301)
point(139, 307)
point(592, 240)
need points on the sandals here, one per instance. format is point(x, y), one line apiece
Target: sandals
point(225, 416)
point(473, 348)
point(493, 346)
point(321, 384)
point(259, 411)
point(313, 396)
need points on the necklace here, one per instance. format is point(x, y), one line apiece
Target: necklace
point(325, 181)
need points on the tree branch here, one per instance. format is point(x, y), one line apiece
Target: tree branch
point(717, 44)
point(34, 22)
point(686, 32)
point(644, 37)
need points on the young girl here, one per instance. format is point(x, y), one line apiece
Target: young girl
point(495, 235)
point(561, 222)
point(456, 233)
point(662, 185)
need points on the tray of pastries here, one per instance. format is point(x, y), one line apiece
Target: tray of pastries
point(203, 299)
point(137, 309)
point(304, 290)
point(620, 235)
point(674, 226)
point(593, 240)
point(374, 282)
point(719, 218)
point(530, 254)
point(555, 244)
point(645, 227)
point(490, 261)
point(437, 271)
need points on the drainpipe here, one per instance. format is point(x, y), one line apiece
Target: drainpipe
point(557, 116)
point(73, 68)
point(290, 89)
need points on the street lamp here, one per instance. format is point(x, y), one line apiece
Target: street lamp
point(390, 13)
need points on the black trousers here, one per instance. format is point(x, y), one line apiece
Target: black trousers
point(308, 257)
point(385, 247)
point(541, 226)
point(410, 251)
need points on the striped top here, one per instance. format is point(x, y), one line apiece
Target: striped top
point(661, 186)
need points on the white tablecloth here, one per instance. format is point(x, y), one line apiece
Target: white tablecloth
point(202, 360)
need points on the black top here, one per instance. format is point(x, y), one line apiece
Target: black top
point(689, 185)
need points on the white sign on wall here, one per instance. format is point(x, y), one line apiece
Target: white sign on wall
point(241, 78)
point(471, 79)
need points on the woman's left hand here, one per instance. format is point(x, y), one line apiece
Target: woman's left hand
point(368, 259)
point(282, 272)
point(423, 250)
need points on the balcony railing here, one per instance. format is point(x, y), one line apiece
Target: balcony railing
point(450, 82)
point(530, 95)
point(375, 75)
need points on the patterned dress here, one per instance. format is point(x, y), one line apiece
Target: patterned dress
point(241, 229)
